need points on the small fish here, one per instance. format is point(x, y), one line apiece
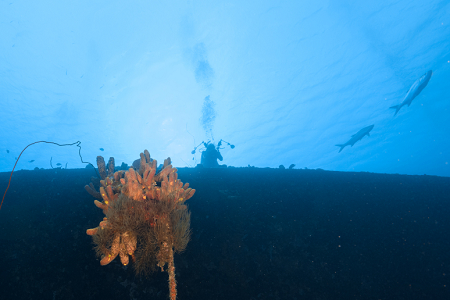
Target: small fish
point(58, 164)
point(101, 149)
point(7, 151)
point(31, 161)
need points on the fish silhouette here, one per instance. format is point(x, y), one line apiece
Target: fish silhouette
point(356, 137)
point(414, 91)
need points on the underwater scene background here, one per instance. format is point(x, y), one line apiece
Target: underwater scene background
point(303, 149)
point(287, 82)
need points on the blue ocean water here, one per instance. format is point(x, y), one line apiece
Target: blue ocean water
point(284, 82)
point(329, 120)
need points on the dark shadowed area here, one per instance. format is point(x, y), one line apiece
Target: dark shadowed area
point(256, 234)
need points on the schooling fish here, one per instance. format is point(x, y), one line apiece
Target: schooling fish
point(58, 164)
point(101, 149)
point(7, 151)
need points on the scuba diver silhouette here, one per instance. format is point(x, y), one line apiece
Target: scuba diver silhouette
point(211, 154)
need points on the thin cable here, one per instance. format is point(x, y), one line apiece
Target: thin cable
point(77, 143)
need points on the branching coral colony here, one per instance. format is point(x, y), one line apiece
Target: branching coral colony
point(145, 216)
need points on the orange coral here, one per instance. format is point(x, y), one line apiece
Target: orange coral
point(140, 204)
